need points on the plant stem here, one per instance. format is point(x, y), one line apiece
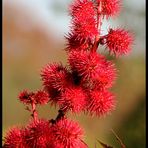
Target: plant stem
point(34, 112)
point(118, 139)
point(99, 23)
point(60, 115)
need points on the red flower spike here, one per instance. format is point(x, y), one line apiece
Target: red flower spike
point(56, 76)
point(100, 102)
point(13, 139)
point(73, 99)
point(119, 41)
point(41, 97)
point(110, 7)
point(83, 87)
point(37, 134)
point(67, 134)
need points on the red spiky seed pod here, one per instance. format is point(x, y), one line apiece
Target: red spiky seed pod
point(13, 139)
point(109, 7)
point(74, 43)
point(55, 75)
point(39, 97)
point(67, 134)
point(100, 102)
point(107, 76)
point(53, 93)
point(89, 65)
point(85, 30)
point(119, 41)
point(26, 97)
point(37, 134)
point(83, 20)
point(82, 10)
point(93, 69)
point(73, 98)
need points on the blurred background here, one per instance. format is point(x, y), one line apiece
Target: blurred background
point(33, 35)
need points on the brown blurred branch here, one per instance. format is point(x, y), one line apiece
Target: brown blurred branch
point(104, 145)
point(118, 139)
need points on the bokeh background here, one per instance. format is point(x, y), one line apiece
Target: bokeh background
point(33, 35)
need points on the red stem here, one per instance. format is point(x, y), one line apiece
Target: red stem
point(99, 17)
point(99, 23)
point(34, 112)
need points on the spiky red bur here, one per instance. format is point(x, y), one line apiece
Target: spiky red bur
point(67, 134)
point(73, 98)
point(53, 93)
point(87, 64)
point(83, 25)
point(74, 43)
point(38, 97)
point(86, 29)
point(41, 97)
point(106, 79)
point(107, 76)
point(37, 134)
point(14, 139)
point(119, 41)
point(82, 10)
point(100, 102)
point(55, 76)
point(93, 68)
point(110, 7)
point(83, 19)
point(25, 96)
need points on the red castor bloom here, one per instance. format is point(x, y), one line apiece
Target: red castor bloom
point(119, 41)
